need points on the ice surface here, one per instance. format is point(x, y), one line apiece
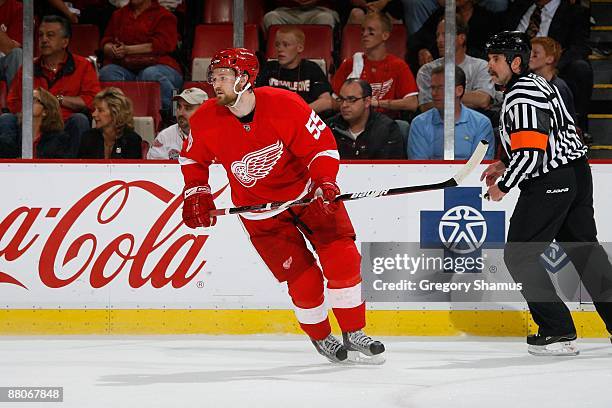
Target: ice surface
point(285, 371)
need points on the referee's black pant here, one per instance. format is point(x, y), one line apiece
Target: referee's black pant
point(558, 206)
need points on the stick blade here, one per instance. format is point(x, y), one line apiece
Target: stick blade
point(473, 162)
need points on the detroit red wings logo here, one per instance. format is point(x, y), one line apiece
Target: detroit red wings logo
point(257, 165)
point(380, 89)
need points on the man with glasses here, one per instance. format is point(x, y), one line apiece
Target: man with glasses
point(363, 133)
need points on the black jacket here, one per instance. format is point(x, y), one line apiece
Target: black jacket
point(54, 145)
point(127, 146)
point(381, 139)
point(570, 27)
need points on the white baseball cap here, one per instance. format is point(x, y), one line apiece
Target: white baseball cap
point(193, 96)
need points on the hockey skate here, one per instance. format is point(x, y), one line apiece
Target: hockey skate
point(552, 345)
point(331, 348)
point(362, 349)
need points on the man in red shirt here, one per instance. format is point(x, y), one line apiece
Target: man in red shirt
point(11, 36)
point(279, 149)
point(71, 78)
point(393, 85)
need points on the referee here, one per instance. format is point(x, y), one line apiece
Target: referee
point(547, 162)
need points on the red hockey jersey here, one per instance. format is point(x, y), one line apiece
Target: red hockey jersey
point(272, 158)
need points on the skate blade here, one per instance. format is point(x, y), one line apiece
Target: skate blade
point(357, 358)
point(566, 348)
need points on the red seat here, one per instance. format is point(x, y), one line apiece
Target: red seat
point(145, 97)
point(205, 86)
point(351, 41)
point(318, 44)
point(3, 94)
point(85, 39)
point(221, 11)
point(210, 38)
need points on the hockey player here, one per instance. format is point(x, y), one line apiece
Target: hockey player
point(547, 161)
point(274, 147)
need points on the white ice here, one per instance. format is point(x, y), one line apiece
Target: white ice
point(285, 371)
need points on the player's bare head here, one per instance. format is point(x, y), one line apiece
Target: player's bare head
point(289, 44)
point(375, 30)
point(355, 97)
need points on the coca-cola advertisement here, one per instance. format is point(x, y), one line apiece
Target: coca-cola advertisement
point(98, 235)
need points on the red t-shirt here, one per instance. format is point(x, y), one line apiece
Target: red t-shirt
point(390, 78)
point(155, 25)
point(271, 158)
point(76, 77)
point(11, 20)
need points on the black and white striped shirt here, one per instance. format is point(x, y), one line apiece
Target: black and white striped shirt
point(536, 130)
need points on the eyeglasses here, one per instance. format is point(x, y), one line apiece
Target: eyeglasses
point(349, 99)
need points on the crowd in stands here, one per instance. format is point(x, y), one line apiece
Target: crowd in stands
point(383, 100)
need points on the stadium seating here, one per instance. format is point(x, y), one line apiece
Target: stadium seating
point(318, 44)
point(209, 38)
point(351, 41)
point(221, 11)
point(146, 104)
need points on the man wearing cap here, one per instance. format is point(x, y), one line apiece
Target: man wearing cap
point(168, 143)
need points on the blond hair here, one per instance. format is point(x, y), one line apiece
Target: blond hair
point(52, 121)
point(385, 20)
point(119, 105)
point(296, 31)
point(551, 48)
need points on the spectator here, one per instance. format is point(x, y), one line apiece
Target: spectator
point(360, 132)
point(426, 141)
point(479, 90)
point(301, 12)
point(568, 24)
point(71, 78)
point(11, 36)
point(292, 72)
point(361, 7)
point(169, 142)
point(393, 85)
point(481, 22)
point(545, 54)
point(113, 136)
point(137, 45)
point(50, 139)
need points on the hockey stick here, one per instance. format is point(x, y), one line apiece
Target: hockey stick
point(454, 181)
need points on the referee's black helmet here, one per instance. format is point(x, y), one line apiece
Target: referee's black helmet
point(512, 44)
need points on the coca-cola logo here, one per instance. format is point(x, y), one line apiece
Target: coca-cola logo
point(93, 253)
